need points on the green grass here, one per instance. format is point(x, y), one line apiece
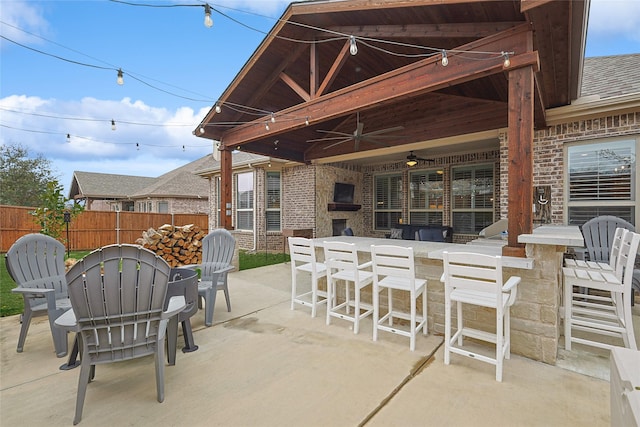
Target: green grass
point(260, 259)
point(11, 303)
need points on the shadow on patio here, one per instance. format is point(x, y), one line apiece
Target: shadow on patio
point(265, 365)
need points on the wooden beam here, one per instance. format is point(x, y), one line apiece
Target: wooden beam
point(520, 157)
point(314, 70)
point(409, 31)
point(420, 77)
point(295, 86)
point(526, 5)
point(226, 189)
point(335, 68)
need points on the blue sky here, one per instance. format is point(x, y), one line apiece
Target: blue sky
point(174, 70)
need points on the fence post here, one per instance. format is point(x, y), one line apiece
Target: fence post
point(118, 227)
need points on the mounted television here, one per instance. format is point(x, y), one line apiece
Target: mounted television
point(343, 193)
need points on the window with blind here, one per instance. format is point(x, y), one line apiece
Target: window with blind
point(273, 201)
point(472, 198)
point(601, 180)
point(244, 201)
point(387, 208)
point(426, 197)
point(163, 207)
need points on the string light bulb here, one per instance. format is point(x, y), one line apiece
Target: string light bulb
point(445, 60)
point(113, 124)
point(68, 138)
point(208, 22)
point(507, 61)
point(201, 129)
point(273, 118)
point(266, 126)
point(353, 47)
point(218, 109)
point(137, 146)
point(120, 79)
point(183, 148)
point(306, 121)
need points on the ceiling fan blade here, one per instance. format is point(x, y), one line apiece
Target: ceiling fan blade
point(333, 132)
point(329, 138)
point(387, 130)
point(337, 143)
point(373, 141)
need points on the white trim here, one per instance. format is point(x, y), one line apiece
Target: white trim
point(590, 107)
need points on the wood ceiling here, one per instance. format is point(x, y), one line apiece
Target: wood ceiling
point(319, 81)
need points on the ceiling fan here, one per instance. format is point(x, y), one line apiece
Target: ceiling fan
point(412, 159)
point(374, 137)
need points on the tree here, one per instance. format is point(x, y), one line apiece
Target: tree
point(22, 178)
point(50, 215)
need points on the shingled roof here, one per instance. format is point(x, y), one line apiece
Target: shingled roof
point(609, 76)
point(106, 185)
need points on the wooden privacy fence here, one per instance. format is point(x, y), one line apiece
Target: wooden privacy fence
point(93, 229)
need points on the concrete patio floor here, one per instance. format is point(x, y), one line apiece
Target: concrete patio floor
point(265, 365)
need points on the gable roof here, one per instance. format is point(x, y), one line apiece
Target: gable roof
point(304, 77)
point(106, 185)
point(609, 76)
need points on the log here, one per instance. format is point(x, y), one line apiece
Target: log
point(178, 245)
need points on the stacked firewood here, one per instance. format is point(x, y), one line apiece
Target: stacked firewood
point(177, 245)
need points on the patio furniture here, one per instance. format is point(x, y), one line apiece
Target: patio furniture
point(183, 282)
point(394, 270)
point(342, 264)
point(118, 296)
point(607, 312)
point(36, 263)
point(347, 232)
point(598, 234)
point(303, 259)
point(476, 279)
point(217, 255)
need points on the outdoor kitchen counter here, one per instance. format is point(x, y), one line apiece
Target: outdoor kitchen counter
point(535, 320)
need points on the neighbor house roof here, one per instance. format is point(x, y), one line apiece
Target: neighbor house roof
point(609, 76)
point(105, 185)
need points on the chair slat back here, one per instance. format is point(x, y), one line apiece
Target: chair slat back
point(626, 259)
point(301, 250)
point(395, 261)
point(475, 272)
point(598, 235)
point(118, 294)
point(340, 256)
point(37, 261)
point(217, 251)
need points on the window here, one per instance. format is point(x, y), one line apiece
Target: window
point(163, 207)
point(388, 201)
point(602, 179)
point(244, 201)
point(472, 198)
point(273, 201)
point(426, 197)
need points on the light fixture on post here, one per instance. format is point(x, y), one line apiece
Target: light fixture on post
point(445, 60)
point(120, 79)
point(113, 124)
point(208, 22)
point(353, 47)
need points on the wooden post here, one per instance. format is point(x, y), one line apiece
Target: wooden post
point(520, 156)
point(226, 188)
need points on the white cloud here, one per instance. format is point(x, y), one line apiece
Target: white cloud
point(611, 18)
point(41, 125)
point(25, 16)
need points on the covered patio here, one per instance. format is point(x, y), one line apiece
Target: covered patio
point(265, 365)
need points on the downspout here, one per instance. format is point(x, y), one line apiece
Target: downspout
point(255, 206)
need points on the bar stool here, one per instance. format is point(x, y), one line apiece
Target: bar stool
point(303, 259)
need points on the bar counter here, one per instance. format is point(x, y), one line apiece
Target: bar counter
point(535, 320)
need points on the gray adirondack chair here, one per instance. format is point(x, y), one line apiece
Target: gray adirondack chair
point(118, 296)
point(36, 263)
point(598, 235)
point(217, 255)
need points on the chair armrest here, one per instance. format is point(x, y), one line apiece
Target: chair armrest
point(67, 321)
point(442, 278)
point(365, 265)
point(176, 305)
point(511, 283)
point(32, 291)
point(192, 266)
